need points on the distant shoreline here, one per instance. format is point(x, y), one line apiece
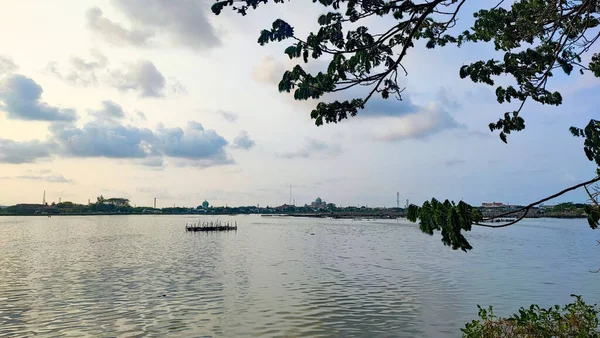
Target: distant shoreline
point(296, 215)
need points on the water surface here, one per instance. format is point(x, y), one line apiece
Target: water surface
point(145, 276)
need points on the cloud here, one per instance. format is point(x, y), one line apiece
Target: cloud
point(378, 107)
point(21, 96)
point(227, 115)
point(184, 23)
point(444, 97)
point(113, 32)
point(314, 148)
point(23, 152)
point(203, 147)
point(40, 175)
point(142, 77)
point(53, 178)
point(107, 137)
point(81, 72)
point(243, 141)
point(426, 122)
point(7, 65)
point(178, 88)
point(110, 110)
point(97, 139)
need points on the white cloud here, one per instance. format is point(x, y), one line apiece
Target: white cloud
point(426, 122)
point(243, 141)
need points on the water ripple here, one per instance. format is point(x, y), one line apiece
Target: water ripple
point(143, 276)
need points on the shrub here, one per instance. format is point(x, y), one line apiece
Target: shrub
point(576, 319)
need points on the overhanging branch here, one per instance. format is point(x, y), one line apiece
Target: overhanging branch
point(526, 209)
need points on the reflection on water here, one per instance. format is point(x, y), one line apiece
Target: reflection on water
point(145, 276)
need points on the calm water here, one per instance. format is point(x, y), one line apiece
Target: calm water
point(145, 276)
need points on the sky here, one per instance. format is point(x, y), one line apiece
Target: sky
point(147, 99)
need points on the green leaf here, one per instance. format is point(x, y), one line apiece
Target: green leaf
point(503, 137)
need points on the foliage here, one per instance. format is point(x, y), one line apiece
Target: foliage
point(534, 39)
point(593, 211)
point(30, 209)
point(110, 205)
point(118, 202)
point(592, 140)
point(568, 206)
point(447, 217)
point(576, 319)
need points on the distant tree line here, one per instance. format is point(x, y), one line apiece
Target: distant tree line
point(118, 205)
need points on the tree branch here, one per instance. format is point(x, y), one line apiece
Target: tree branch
point(528, 207)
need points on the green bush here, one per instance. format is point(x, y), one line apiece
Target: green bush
point(576, 319)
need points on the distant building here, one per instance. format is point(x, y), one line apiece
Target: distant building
point(493, 205)
point(205, 204)
point(318, 203)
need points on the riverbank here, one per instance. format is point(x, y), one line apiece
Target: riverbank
point(335, 215)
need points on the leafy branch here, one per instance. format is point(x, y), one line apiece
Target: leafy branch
point(451, 219)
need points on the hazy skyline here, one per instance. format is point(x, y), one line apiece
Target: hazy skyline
point(167, 100)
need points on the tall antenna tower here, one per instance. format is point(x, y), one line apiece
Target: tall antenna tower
point(44, 198)
point(154, 202)
point(398, 200)
point(407, 203)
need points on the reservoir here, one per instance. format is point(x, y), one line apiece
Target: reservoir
point(139, 276)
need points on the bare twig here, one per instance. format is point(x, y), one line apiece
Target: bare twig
point(592, 197)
